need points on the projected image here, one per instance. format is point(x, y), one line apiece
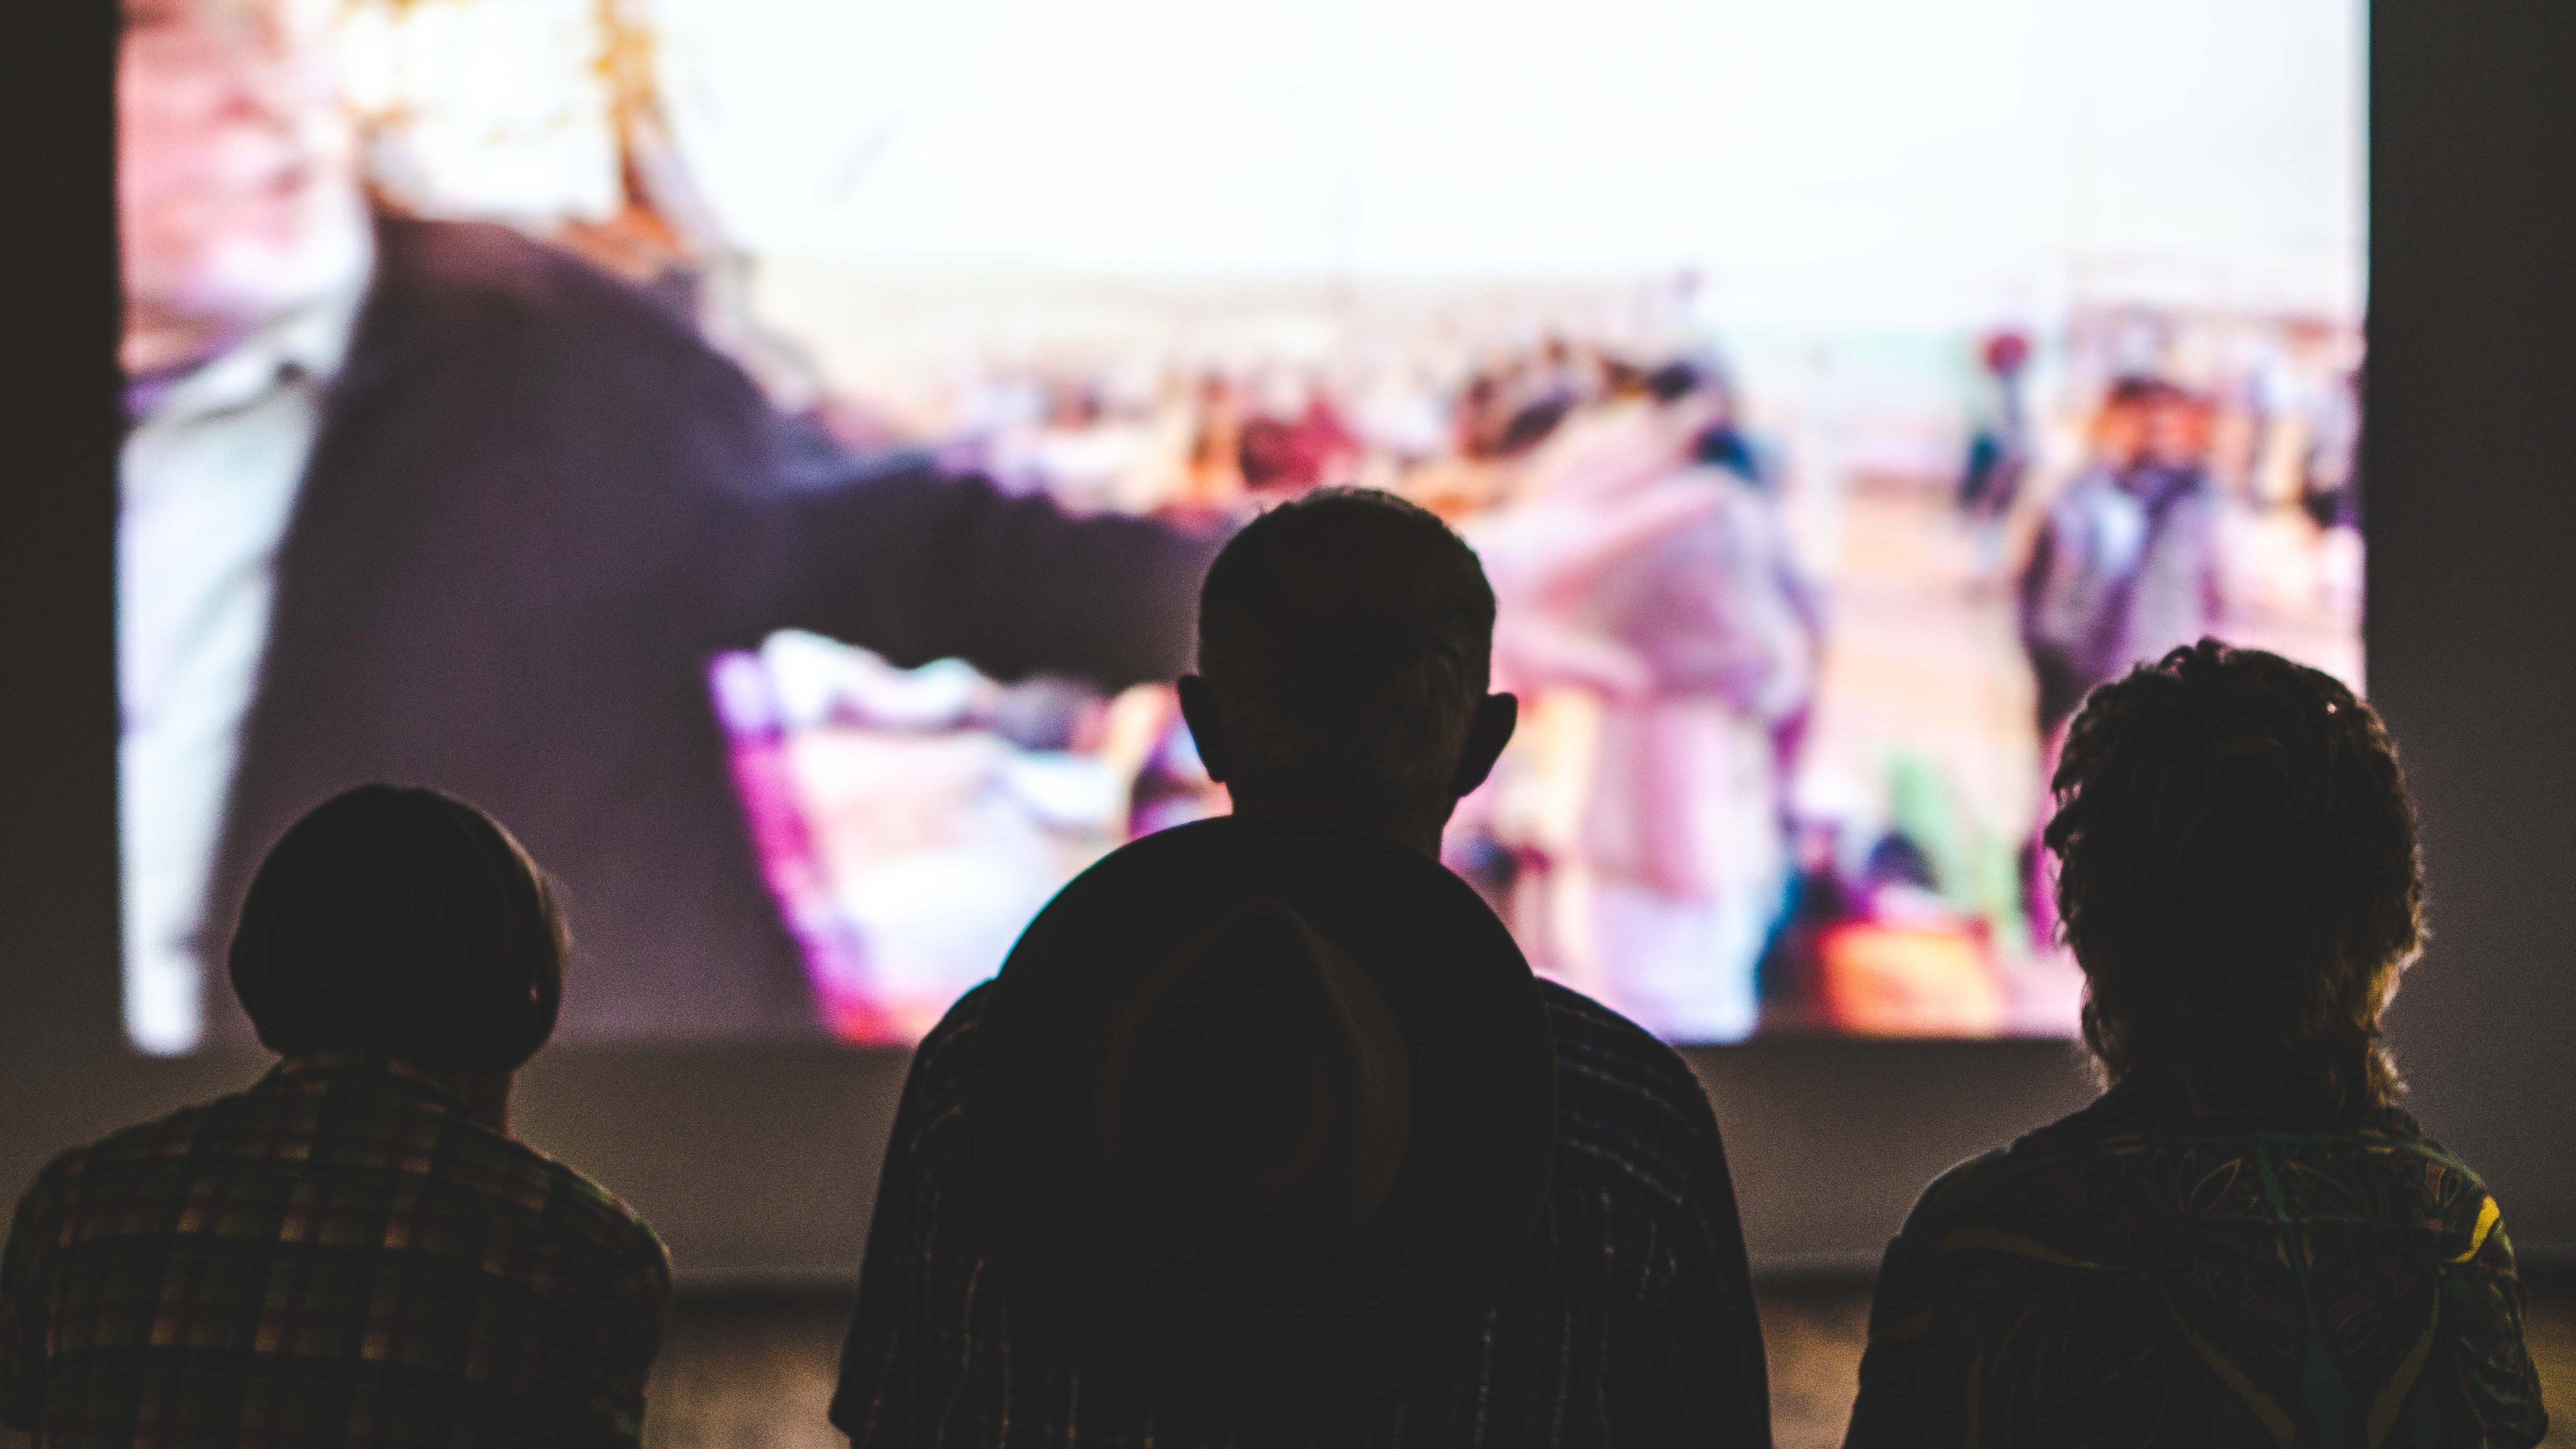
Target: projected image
point(764, 451)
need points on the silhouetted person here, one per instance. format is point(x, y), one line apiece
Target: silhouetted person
point(1999, 439)
point(1266, 1133)
point(2125, 566)
point(354, 1251)
point(2244, 1240)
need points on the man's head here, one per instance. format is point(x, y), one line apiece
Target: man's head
point(2120, 424)
point(404, 923)
point(1345, 645)
point(2177, 431)
point(2238, 877)
point(238, 194)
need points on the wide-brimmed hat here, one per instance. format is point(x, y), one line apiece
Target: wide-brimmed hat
point(1262, 1120)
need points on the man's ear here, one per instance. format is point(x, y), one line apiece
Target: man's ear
point(1198, 710)
point(1497, 715)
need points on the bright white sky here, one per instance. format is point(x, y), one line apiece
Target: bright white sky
point(1860, 149)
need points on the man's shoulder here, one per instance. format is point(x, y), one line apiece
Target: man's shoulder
point(266, 1135)
point(623, 1245)
point(1597, 1029)
point(2072, 1161)
point(1599, 1045)
point(163, 1144)
point(2428, 1191)
point(1628, 1107)
point(1626, 1103)
point(2084, 1181)
point(2393, 1138)
point(477, 279)
point(947, 1048)
point(552, 1200)
point(503, 268)
point(942, 1074)
point(1599, 1041)
point(1960, 1194)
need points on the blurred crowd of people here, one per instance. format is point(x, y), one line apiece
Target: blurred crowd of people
point(1652, 836)
point(1646, 583)
point(2197, 505)
point(1662, 833)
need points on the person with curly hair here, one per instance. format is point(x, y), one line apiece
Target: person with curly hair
point(2244, 1240)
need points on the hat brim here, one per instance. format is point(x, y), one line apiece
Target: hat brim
point(1434, 1259)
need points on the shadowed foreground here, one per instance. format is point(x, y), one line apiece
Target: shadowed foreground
point(745, 1371)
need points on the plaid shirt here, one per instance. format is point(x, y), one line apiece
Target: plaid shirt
point(2139, 1275)
point(340, 1255)
point(1630, 1321)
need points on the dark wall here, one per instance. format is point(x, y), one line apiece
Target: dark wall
point(59, 420)
point(760, 1163)
point(2469, 458)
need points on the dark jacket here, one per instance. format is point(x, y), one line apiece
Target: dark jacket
point(1629, 1323)
point(539, 504)
point(2144, 1273)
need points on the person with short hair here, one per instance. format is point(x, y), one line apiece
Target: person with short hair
point(355, 1250)
point(2244, 1240)
point(1267, 1134)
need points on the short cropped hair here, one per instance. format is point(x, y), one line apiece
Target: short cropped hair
point(406, 923)
point(2238, 877)
point(1345, 639)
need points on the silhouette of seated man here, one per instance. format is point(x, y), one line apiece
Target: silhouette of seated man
point(2243, 1240)
point(354, 1251)
point(1266, 1133)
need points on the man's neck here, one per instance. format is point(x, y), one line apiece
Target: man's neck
point(486, 1095)
point(1302, 806)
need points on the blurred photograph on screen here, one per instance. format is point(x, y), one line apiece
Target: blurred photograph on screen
point(825, 408)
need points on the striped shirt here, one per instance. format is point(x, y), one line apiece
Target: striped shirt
point(1629, 1322)
point(340, 1255)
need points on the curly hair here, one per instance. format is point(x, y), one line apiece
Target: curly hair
point(2238, 877)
